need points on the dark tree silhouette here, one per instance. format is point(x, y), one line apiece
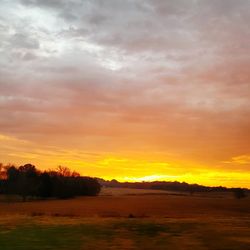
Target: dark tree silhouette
point(239, 193)
point(45, 187)
point(27, 181)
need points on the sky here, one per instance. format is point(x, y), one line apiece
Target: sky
point(131, 90)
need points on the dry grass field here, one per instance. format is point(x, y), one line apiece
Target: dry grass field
point(127, 219)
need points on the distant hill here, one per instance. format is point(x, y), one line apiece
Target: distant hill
point(169, 186)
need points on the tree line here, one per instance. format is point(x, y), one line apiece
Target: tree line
point(176, 187)
point(29, 182)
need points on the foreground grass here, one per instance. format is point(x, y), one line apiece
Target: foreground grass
point(33, 233)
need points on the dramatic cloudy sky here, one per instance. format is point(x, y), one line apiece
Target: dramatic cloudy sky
point(128, 89)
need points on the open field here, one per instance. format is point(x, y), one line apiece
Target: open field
point(118, 202)
point(127, 219)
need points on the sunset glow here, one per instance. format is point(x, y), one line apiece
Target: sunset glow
point(128, 90)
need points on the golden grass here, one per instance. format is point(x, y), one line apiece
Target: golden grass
point(139, 205)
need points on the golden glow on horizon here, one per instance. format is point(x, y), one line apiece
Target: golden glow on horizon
point(208, 179)
point(128, 167)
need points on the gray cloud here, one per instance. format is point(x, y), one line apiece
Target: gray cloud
point(46, 3)
point(24, 42)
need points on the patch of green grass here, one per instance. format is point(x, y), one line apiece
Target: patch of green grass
point(121, 234)
point(34, 237)
point(222, 240)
